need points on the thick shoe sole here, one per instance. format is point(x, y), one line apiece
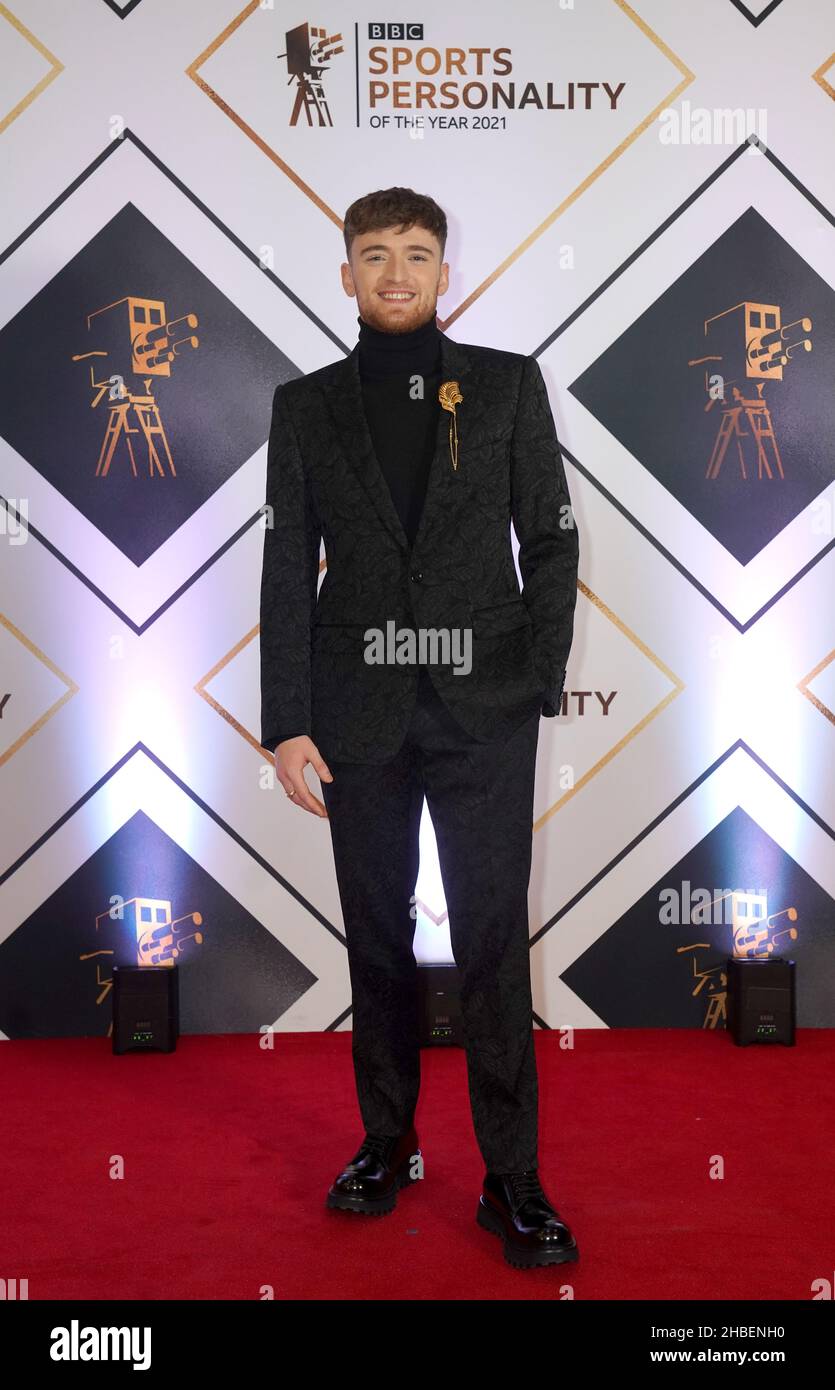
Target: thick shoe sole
point(373, 1206)
point(519, 1256)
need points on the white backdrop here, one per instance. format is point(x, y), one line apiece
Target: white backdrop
point(150, 165)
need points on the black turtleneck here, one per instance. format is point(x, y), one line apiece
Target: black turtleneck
point(403, 426)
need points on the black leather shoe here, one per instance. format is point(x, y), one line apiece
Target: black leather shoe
point(514, 1206)
point(370, 1182)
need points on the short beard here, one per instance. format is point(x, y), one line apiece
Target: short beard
point(404, 327)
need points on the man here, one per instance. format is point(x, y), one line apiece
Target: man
point(410, 457)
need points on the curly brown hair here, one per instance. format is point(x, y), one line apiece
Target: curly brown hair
point(394, 207)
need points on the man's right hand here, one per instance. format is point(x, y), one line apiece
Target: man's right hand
point(291, 758)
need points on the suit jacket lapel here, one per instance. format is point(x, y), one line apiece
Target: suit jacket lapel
point(344, 396)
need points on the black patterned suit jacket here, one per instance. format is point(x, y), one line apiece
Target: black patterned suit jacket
point(324, 483)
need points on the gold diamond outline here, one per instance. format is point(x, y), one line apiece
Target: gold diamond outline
point(235, 724)
point(72, 689)
point(818, 76)
point(678, 687)
point(220, 709)
point(686, 78)
point(803, 685)
point(57, 68)
point(677, 683)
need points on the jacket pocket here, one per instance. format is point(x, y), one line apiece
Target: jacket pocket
point(337, 637)
point(501, 617)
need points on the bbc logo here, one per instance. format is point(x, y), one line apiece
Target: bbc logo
point(395, 31)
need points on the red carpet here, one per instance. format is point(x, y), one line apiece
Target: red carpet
point(229, 1150)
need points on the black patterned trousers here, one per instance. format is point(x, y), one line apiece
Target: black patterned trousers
point(480, 799)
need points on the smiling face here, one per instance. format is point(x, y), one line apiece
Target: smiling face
point(396, 277)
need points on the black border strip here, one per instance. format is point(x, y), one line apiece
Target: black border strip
point(137, 628)
point(124, 11)
point(198, 801)
point(193, 199)
point(601, 290)
point(662, 816)
point(682, 569)
point(756, 20)
point(279, 284)
point(673, 217)
point(218, 820)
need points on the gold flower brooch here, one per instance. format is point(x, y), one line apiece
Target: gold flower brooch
point(449, 394)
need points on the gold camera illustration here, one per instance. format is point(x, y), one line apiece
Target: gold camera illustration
point(139, 341)
point(750, 343)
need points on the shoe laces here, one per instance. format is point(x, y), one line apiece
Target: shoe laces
point(526, 1185)
point(378, 1144)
